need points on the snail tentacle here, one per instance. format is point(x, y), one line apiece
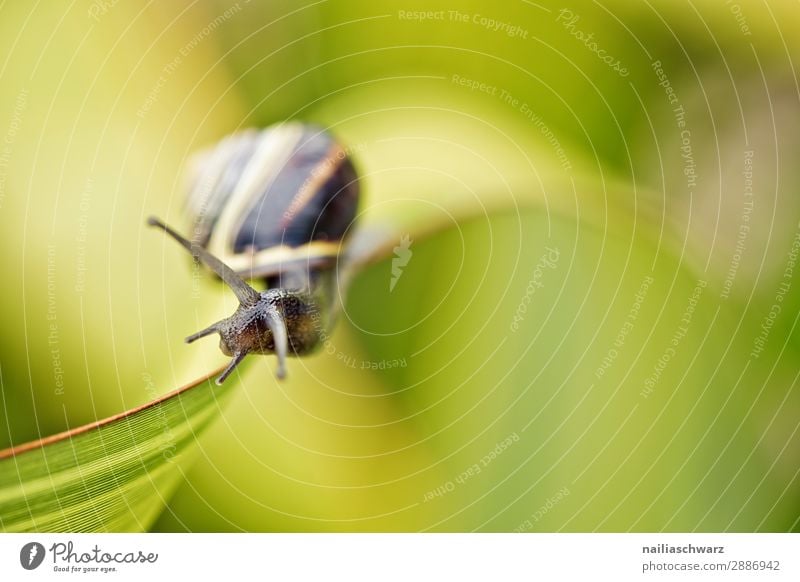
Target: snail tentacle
point(244, 292)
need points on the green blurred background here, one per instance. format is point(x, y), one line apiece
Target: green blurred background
point(584, 329)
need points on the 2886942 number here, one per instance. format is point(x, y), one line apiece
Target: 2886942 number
point(750, 565)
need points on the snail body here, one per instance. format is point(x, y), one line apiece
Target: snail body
point(273, 204)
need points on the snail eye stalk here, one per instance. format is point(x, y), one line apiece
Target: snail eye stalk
point(214, 328)
point(236, 341)
point(244, 292)
point(277, 325)
point(237, 358)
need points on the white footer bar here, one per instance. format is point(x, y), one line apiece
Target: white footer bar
point(389, 557)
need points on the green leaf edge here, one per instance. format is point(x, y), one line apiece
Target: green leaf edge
point(115, 474)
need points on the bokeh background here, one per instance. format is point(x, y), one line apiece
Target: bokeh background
point(596, 328)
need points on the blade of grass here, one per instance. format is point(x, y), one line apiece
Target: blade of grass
point(115, 474)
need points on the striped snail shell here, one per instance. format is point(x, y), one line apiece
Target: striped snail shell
point(273, 204)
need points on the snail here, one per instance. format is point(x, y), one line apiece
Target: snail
point(275, 204)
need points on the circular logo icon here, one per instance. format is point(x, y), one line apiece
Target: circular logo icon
point(31, 555)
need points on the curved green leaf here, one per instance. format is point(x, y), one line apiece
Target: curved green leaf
point(112, 475)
